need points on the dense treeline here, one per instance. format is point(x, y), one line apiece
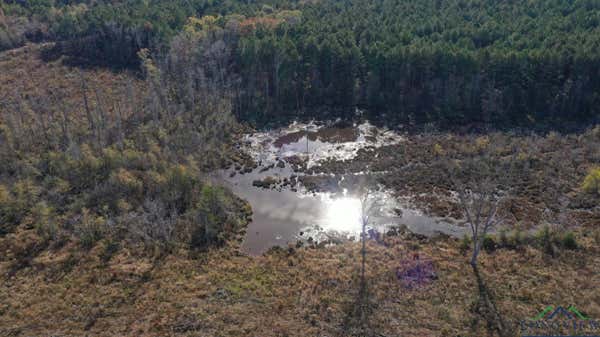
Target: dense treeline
point(108, 33)
point(402, 61)
point(451, 61)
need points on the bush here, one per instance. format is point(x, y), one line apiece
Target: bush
point(43, 217)
point(89, 229)
point(465, 244)
point(550, 241)
point(503, 238)
point(545, 239)
point(4, 210)
point(17, 203)
point(568, 241)
point(153, 225)
point(591, 183)
point(516, 239)
point(211, 218)
point(489, 244)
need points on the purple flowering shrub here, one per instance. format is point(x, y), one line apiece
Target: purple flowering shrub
point(416, 272)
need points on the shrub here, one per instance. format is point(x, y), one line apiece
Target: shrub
point(516, 239)
point(504, 242)
point(89, 229)
point(17, 203)
point(126, 182)
point(591, 183)
point(180, 188)
point(465, 244)
point(489, 244)
point(545, 239)
point(211, 218)
point(43, 217)
point(568, 241)
point(153, 225)
point(4, 197)
point(550, 240)
point(415, 273)
point(5, 211)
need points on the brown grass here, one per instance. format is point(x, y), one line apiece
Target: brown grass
point(52, 289)
point(49, 87)
point(292, 292)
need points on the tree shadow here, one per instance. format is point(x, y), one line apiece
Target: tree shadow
point(79, 54)
point(357, 321)
point(486, 307)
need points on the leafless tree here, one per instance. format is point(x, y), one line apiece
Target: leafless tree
point(358, 318)
point(65, 121)
point(370, 204)
point(480, 206)
point(478, 184)
point(86, 105)
point(154, 226)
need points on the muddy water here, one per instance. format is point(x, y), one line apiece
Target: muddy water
point(285, 212)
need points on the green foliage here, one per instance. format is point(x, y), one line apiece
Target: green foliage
point(90, 229)
point(16, 203)
point(212, 218)
point(551, 240)
point(119, 193)
point(517, 239)
point(591, 183)
point(451, 61)
point(44, 220)
point(489, 243)
point(426, 61)
point(503, 238)
point(134, 177)
point(568, 241)
point(7, 221)
point(465, 244)
point(546, 240)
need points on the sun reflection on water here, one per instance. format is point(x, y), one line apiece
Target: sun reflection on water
point(343, 215)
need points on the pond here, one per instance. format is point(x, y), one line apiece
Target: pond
point(285, 211)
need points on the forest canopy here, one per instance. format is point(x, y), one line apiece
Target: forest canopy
point(483, 61)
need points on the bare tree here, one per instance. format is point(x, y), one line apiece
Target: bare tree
point(360, 311)
point(154, 226)
point(88, 111)
point(480, 206)
point(369, 206)
point(479, 198)
point(119, 124)
point(101, 125)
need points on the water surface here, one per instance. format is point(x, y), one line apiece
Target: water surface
point(287, 212)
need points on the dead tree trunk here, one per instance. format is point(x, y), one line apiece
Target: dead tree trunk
point(88, 112)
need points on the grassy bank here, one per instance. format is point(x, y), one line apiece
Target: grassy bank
point(287, 292)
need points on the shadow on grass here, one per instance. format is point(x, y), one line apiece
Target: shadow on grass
point(486, 307)
point(357, 320)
